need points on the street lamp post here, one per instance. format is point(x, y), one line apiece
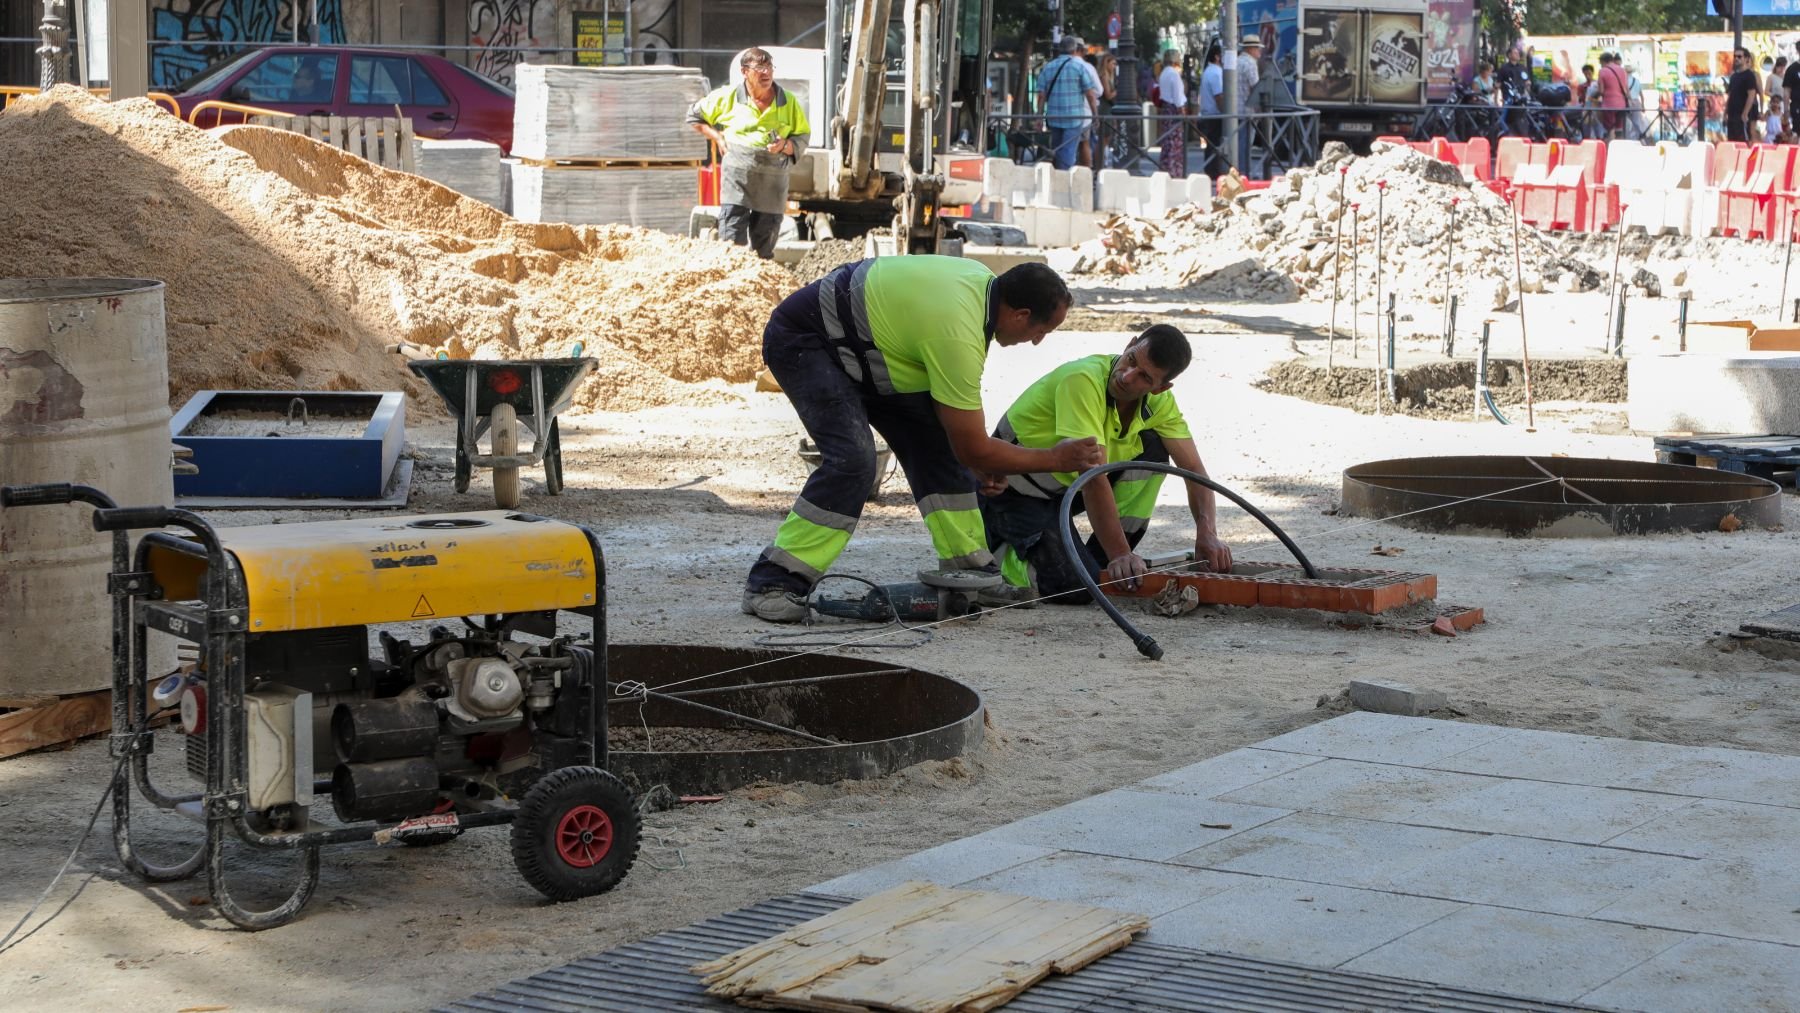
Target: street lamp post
point(53, 46)
point(1125, 96)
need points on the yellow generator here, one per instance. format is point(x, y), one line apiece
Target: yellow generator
point(480, 700)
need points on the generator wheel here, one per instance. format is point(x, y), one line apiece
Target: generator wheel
point(576, 833)
point(503, 422)
point(463, 470)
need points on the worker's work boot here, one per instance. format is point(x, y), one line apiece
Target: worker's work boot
point(775, 605)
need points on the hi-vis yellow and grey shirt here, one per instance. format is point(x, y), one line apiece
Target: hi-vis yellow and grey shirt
point(750, 175)
point(1071, 401)
point(909, 325)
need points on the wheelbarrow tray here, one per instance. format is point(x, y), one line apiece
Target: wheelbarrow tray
point(449, 377)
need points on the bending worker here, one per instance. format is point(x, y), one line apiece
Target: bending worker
point(899, 344)
point(761, 131)
point(1123, 401)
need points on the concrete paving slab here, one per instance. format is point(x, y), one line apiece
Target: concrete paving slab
point(1571, 759)
point(1308, 923)
point(1136, 824)
point(1520, 952)
point(1710, 828)
point(1748, 900)
point(1552, 877)
point(1734, 775)
point(1315, 848)
point(1539, 864)
point(1385, 738)
point(1122, 884)
point(946, 865)
point(1373, 791)
point(1706, 974)
point(1228, 772)
point(1562, 812)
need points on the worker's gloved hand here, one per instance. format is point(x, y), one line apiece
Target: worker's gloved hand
point(1077, 454)
point(1124, 572)
point(1210, 550)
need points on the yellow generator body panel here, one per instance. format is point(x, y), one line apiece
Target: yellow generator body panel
point(361, 571)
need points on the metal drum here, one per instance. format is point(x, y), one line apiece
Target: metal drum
point(84, 397)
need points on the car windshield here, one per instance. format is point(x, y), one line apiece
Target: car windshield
point(212, 75)
point(488, 83)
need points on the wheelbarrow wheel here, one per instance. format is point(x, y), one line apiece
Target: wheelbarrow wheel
point(503, 422)
point(575, 834)
point(463, 471)
point(553, 483)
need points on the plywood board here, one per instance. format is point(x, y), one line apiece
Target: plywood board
point(920, 948)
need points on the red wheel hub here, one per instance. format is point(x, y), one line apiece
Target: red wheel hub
point(583, 836)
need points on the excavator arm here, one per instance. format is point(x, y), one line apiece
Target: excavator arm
point(856, 176)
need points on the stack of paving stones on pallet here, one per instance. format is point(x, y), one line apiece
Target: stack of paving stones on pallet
point(593, 146)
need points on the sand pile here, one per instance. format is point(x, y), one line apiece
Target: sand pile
point(292, 264)
point(1278, 242)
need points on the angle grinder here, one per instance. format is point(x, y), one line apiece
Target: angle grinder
point(938, 594)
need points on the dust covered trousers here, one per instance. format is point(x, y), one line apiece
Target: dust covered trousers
point(1072, 400)
point(880, 343)
point(753, 182)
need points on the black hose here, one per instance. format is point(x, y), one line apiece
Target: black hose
point(1147, 645)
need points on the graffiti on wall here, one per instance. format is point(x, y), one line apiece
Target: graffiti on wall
point(215, 27)
point(500, 29)
point(654, 24)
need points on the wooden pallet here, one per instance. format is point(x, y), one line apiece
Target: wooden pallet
point(40, 722)
point(1776, 458)
point(920, 947)
point(613, 163)
point(385, 140)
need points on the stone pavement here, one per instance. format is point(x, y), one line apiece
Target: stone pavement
point(1615, 872)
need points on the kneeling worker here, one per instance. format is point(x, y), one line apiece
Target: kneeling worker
point(1123, 401)
point(899, 343)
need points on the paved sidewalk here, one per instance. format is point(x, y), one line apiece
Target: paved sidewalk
point(1615, 872)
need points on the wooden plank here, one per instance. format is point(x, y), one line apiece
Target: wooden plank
point(335, 126)
point(24, 702)
point(919, 948)
point(353, 136)
point(66, 720)
point(408, 161)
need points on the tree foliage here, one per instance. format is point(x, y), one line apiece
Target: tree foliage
point(1029, 22)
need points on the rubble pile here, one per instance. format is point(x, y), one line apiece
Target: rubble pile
point(290, 264)
point(1278, 243)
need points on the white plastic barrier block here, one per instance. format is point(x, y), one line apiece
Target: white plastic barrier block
point(1083, 226)
point(1052, 227)
point(1748, 392)
point(1115, 185)
point(1159, 191)
point(1200, 189)
point(1081, 188)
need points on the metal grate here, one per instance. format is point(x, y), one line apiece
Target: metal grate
point(651, 976)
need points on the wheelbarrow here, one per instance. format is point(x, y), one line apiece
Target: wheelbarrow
point(501, 396)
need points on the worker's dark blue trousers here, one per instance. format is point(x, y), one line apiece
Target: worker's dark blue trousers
point(837, 413)
point(1029, 525)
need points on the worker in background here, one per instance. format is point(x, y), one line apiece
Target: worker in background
point(1124, 402)
point(899, 343)
point(1070, 91)
point(761, 130)
point(1249, 53)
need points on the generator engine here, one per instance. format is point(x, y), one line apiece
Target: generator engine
point(427, 726)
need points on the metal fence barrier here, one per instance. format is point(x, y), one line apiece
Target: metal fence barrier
point(1277, 140)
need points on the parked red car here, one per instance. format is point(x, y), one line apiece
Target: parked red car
point(443, 99)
